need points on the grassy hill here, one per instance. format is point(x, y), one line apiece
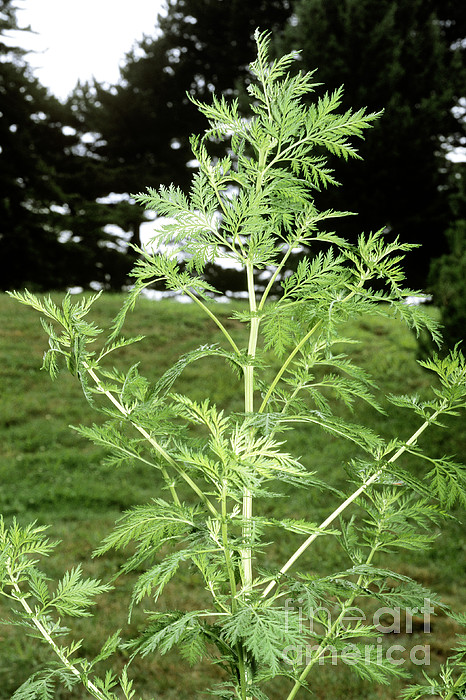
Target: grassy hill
point(52, 475)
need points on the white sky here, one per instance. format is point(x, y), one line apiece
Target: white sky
point(79, 39)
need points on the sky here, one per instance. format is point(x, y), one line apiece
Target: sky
point(81, 39)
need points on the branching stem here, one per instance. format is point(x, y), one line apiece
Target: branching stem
point(331, 632)
point(278, 269)
point(215, 319)
point(158, 448)
point(18, 595)
point(302, 343)
point(350, 500)
point(286, 364)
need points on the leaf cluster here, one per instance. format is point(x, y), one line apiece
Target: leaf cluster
point(256, 206)
point(38, 607)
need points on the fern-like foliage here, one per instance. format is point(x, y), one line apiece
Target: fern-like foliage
point(256, 205)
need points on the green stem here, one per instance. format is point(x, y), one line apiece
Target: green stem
point(89, 685)
point(246, 552)
point(345, 607)
point(232, 581)
point(350, 500)
point(301, 344)
point(214, 319)
point(278, 269)
point(158, 448)
point(286, 364)
point(309, 138)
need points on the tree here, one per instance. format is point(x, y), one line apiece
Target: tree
point(447, 279)
point(448, 285)
point(407, 57)
point(53, 231)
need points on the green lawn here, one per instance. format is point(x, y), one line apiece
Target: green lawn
point(50, 474)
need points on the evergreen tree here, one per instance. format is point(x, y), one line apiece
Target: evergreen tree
point(406, 56)
point(447, 278)
point(448, 285)
point(53, 233)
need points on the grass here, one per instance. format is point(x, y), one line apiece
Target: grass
point(52, 475)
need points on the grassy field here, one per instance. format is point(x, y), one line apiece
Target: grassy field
point(50, 474)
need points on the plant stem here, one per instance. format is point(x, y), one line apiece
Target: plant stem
point(231, 577)
point(351, 499)
point(246, 555)
point(214, 319)
point(246, 552)
point(158, 448)
point(345, 607)
point(275, 275)
point(301, 344)
point(89, 685)
point(286, 364)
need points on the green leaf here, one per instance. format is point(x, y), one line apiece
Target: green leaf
point(153, 581)
point(447, 479)
point(150, 526)
point(166, 381)
point(108, 648)
point(264, 631)
point(74, 594)
point(167, 629)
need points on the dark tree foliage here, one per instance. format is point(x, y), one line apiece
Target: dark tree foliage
point(52, 233)
point(405, 56)
point(28, 248)
point(448, 286)
point(145, 122)
point(447, 276)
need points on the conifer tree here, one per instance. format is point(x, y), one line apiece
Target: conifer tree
point(53, 231)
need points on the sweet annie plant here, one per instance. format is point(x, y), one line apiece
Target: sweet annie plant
point(255, 207)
